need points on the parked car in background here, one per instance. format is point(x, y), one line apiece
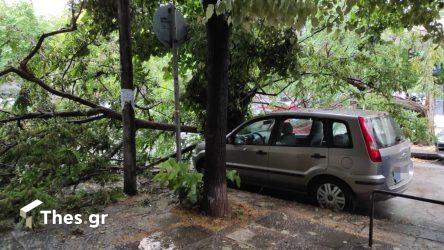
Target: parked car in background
point(337, 156)
point(440, 143)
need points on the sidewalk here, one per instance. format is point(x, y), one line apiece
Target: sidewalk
point(153, 221)
point(425, 152)
point(291, 225)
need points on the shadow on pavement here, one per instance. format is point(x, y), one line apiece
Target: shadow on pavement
point(363, 208)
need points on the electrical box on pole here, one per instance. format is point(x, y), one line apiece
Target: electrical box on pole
point(170, 28)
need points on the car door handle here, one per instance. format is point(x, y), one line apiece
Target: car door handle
point(260, 152)
point(318, 156)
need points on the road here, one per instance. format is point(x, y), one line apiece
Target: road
point(428, 182)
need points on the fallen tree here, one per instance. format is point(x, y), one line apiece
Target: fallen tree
point(25, 73)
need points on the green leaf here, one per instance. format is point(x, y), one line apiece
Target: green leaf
point(221, 7)
point(209, 12)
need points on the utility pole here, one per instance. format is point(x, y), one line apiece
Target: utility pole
point(170, 28)
point(172, 12)
point(127, 100)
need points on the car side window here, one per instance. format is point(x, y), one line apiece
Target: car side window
point(256, 133)
point(301, 132)
point(341, 135)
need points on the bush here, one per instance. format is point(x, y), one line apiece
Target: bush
point(234, 177)
point(186, 183)
point(413, 127)
point(178, 177)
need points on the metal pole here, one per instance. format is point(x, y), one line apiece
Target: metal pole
point(176, 80)
point(372, 213)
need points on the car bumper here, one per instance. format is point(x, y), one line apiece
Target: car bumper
point(440, 152)
point(364, 189)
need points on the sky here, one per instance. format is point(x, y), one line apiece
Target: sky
point(46, 8)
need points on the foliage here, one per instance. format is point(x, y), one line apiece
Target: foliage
point(186, 183)
point(369, 17)
point(5, 226)
point(177, 176)
point(91, 202)
point(413, 127)
point(234, 177)
point(18, 27)
point(52, 156)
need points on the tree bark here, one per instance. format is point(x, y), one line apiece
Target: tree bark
point(129, 127)
point(215, 201)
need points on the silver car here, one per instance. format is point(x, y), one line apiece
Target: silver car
point(337, 156)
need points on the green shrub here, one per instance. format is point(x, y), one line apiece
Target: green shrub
point(234, 177)
point(185, 182)
point(178, 177)
point(413, 127)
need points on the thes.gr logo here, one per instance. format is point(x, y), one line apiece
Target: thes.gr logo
point(24, 212)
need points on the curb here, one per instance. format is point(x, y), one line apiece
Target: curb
point(426, 155)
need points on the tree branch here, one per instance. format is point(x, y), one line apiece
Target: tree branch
point(262, 92)
point(90, 119)
point(108, 113)
point(26, 74)
point(412, 105)
point(6, 71)
point(7, 148)
point(47, 115)
point(163, 159)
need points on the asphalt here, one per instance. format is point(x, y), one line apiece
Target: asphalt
point(428, 182)
point(265, 220)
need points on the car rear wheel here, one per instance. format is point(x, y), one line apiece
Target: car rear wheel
point(333, 194)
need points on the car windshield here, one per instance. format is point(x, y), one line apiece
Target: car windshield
point(256, 133)
point(385, 131)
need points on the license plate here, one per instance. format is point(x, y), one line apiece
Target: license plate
point(397, 177)
point(399, 174)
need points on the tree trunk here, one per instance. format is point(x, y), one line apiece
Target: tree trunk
point(215, 200)
point(430, 105)
point(129, 128)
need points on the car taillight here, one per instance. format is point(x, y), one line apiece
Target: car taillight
point(372, 149)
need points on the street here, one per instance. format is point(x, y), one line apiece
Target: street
point(428, 182)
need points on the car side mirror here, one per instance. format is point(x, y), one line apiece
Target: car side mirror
point(229, 140)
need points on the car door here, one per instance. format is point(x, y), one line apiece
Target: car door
point(247, 150)
point(342, 155)
point(300, 147)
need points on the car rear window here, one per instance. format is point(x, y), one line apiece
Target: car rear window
point(385, 131)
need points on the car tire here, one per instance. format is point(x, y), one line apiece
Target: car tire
point(200, 165)
point(333, 194)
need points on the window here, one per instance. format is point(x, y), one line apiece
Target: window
point(301, 132)
point(385, 131)
point(341, 135)
point(256, 133)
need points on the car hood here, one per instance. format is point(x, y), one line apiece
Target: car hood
point(200, 147)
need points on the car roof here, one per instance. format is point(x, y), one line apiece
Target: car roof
point(328, 113)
